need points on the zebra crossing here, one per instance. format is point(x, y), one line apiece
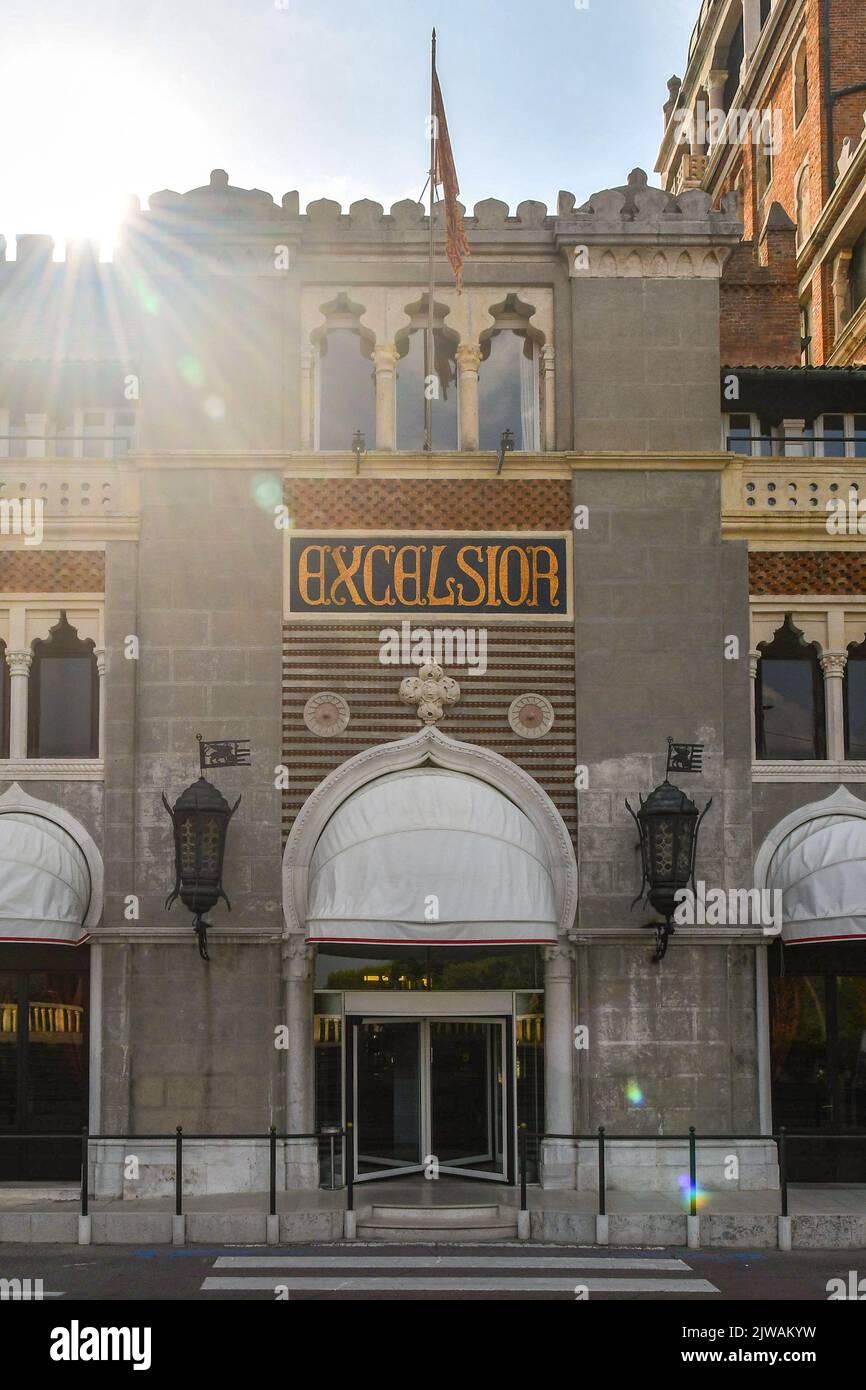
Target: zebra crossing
point(550, 1272)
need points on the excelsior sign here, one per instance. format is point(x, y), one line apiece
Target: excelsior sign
point(343, 574)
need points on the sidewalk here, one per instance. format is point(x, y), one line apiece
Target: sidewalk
point(821, 1218)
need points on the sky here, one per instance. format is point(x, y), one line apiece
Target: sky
point(103, 99)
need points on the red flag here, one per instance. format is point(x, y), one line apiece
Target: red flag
point(456, 244)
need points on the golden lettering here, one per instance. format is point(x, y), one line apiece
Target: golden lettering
point(345, 573)
point(504, 586)
point(388, 600)
point(551, 575)
point(402, 575)
point(306, 574)
point(473, 574)
point(447, 599)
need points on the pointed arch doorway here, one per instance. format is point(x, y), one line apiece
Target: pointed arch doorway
point(429, 887)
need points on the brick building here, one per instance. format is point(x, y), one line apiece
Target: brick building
point(773, 105)
point(218, 519)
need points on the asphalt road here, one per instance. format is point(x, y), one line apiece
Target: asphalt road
point(356, 1272)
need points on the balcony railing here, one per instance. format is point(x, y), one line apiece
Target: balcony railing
point(67, 446)
point(798, 446)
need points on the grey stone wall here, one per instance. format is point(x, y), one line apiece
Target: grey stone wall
point(191, 1045)
point(656, 593)
point(645, 365)
point(682, 1032)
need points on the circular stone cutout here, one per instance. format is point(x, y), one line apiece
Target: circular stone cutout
point(326, 713)
point(531, 716)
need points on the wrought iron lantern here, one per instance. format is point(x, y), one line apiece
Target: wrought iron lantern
point(200, 818)
point(668, 823)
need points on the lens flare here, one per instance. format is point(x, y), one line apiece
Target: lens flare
point(633, 1094)
point(686, 1192)
point(190, 369)
point(267, 491)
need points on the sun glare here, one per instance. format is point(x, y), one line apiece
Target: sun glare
point(82, 120)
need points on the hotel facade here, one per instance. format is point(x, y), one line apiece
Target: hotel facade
point(453, 668)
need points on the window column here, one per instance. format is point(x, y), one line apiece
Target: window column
point(833, 666)
point(100, 667)
point(385, 361)
point(468, 358)
point(754, 658)
point(19, 690)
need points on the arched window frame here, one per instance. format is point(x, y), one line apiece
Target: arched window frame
point(340, 314)
point(789, 644)
point(417, 314)
point(512, 316)
point(801, 203)
point(63, 642)
point(800, 82)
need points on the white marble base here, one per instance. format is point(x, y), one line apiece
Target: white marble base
point(210, 1167)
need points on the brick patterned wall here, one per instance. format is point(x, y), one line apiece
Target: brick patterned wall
point(52, 571)
point(807, 572)
point(344, 657)
point(759, 315)
point(492, 504)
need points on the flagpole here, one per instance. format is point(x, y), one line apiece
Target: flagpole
point(429, 355)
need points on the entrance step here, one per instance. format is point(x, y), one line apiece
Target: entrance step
point(470, 1223)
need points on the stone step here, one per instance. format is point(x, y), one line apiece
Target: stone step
point(453, 1215)
point(482, 1222)
point(428, 1233)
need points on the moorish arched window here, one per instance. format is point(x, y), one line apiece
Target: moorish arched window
point(410, 389)
point(789, 697)
point(345, 379)
point(63, 714)
point(854, 696)
point(508, 380)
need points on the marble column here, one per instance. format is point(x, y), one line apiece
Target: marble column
point(715, 86)
point(754, 658)
point(19, 668)
point(833, 666)
point(841, 290)
point(302, 1159)
point(468, 357)
point(559, 1157)
point(101, 667)
point(385, 362)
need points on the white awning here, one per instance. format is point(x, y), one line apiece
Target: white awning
point(820, 867)
point(430, 856)
point(45, 883)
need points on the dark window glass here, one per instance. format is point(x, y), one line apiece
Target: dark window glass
point(833, 430)
point(9, 1050)
point(507, 390)
point(410, 392)
point(860, 436)
point(854, 687)
point(63, 717)
point(789, 697)
point(740, 434)
point(422, 968)
point(347, 399)
point(765, 11)
point(857, 273)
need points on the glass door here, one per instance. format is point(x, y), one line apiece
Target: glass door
point(467, 1096)
point(388, 1097)
point(428, 1095)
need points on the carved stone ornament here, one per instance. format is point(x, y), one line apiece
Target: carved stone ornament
point(431, 690)
point(326, 713)
point(531, 716)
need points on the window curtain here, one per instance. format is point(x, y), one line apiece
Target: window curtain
point(529, 398)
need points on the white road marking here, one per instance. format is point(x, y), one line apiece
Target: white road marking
point(463, 1262)
point(528, 1284)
